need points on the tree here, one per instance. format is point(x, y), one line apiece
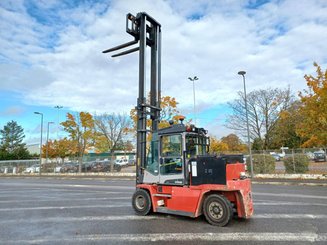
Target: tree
point(80, 129)
point(168, 112)
point(111, 128)
point(264, 107)
point(233, 143)
point(60, 148)
point(51, 149)
point(257, 144)
point(11, 144)
point(284, 133)
point(217, 146)
point(313, 125)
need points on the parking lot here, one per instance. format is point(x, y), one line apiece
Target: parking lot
point(98, 211)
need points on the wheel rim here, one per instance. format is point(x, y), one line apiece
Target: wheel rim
point(216, 210)
point(140, 202)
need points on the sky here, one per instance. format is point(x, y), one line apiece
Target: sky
point(51, 54)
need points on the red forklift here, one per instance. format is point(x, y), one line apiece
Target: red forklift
point(174, 172)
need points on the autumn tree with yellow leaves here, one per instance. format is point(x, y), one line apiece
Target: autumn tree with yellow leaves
point(60, 148)
point(81, 130)
point(313, 110)
point(234, 143)
point(217, 146)
point(168, 112)
point(229, 143)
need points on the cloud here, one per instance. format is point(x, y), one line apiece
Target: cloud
point(12, 111)
point(51, 51)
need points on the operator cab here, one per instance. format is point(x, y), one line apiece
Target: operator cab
point(170, 151)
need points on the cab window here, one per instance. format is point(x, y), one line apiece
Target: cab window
point(196, 145)
point(171, 145)
point(152, 161)
point(171, 154)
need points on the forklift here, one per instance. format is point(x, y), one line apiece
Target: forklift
point(174, 172)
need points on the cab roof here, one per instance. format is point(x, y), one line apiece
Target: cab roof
point(181, 128)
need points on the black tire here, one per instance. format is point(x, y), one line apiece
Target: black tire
point(118, 168)
point(141, 202)
point(217, 210)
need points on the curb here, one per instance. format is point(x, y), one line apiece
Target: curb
point(292, 176)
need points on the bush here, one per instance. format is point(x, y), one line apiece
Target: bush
point(262, 164)
point(300, 165)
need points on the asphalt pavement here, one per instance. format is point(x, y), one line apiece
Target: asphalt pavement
point(98, 211)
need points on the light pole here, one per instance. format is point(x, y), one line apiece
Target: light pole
point(41, 114)
point(58, 107)
point(193, 80)
point(242, 73)
point(47, 149)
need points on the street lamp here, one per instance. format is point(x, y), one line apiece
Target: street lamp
point(242, 73)
point(193, 80)
point(47, 149)
point(39, 113)
point(58, 107)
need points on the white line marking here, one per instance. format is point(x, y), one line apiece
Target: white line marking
point(150, 217)
point(67, 199)
point(55, 190)
point(24, 185)
point(288, 204)
point(85, 218)
point(290, 216)
point(154, 237)
point(288, 195)
point(64, 207)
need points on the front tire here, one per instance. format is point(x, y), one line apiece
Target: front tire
point(217, 210)
point(141, 202)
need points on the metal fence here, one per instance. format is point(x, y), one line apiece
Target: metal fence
point(16, 166)
point(264, 162)
point(303, 160)
point(90, 163)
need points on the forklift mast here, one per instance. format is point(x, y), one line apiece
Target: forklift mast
point(146, 32)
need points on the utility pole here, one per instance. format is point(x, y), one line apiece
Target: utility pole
point(242, 73)
point(47, 149)
point(58, 127)
point(41, 114)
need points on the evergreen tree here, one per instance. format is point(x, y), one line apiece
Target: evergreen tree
point(11, 141)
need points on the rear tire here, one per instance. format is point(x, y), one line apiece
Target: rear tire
point(217, 210)
point(141, 202)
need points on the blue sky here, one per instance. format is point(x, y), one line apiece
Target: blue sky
point(50, 54)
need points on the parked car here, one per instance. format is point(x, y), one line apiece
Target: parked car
point(33, 169)
point(310, 155)
point(87, 166)
point(122, 162)
point(104, 166)
point(6, 169)
point(319, 156)
point(69, 168)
